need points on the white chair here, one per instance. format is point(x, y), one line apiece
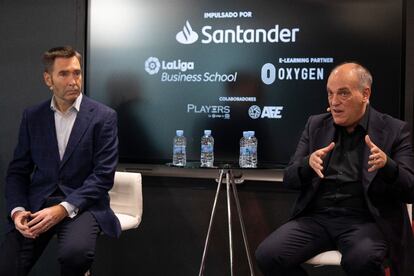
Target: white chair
point(334, 257)
point(126, 199)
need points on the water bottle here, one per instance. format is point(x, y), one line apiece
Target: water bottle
point(207, 150)
point(179, 145)
point(253, 150)
point(243, 150)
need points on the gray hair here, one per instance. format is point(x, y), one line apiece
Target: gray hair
point(363, 74)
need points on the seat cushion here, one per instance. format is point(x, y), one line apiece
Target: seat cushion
point(127, 221)
point(326, 258)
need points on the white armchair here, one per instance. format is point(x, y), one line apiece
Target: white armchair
point(126, 199)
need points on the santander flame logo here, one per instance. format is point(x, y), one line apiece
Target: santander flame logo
point(187, 35)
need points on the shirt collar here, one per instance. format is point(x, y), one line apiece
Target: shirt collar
point(75, 105)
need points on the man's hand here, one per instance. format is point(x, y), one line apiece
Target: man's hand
point(46, 218)
point(316, 159)
point(377, 158)
point(21, 219)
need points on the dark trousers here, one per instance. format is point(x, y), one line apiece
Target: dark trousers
point(353, 233)
point(76, 247)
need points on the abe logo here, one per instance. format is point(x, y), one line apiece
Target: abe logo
point(270, 112)
point(187, 35)
point(254, 112)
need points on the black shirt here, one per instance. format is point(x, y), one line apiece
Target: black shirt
point(342, 185)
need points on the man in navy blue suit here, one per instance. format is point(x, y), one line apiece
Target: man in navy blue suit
point(354, 171)
point(63, 167)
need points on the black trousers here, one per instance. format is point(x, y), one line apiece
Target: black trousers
point(353, 233)
point(76, 247)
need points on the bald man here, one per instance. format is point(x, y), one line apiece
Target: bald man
point(354, 170)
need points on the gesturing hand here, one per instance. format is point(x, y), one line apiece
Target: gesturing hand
point(377, 159)
point(46, 218)
point(316, 159)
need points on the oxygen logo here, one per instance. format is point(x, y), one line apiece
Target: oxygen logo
point(187, 35)
point(152, 65)
point(270, 73)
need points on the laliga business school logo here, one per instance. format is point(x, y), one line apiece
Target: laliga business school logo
point(152, 65)
point(187, 35)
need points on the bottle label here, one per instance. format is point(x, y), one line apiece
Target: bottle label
point(207, 148)
point(179, 149)
point(247, 150)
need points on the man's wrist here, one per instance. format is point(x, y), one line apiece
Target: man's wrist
point(390, 170)
point(15, 211)
point(71, 210)
point(15, 214)
point(305, 170)
point(63, 210)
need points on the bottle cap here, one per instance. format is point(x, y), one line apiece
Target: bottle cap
point(179, 132)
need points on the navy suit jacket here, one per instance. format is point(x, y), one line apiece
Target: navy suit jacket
point(86, 172)
point(386, 200)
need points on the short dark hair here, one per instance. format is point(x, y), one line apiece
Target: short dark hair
point(58, 52)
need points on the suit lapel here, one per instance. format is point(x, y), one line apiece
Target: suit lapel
point(376, 132)
point(81, 124)
point(326, 134)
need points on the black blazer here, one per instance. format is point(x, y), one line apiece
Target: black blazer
point(386, 201)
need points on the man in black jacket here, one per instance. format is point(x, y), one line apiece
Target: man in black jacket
point(354, 169)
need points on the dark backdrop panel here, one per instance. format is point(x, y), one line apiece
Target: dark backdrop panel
point(27, 29)
point(152, 100)
point(409, 59)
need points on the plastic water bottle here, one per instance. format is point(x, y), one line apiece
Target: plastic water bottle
point(243, 150)
point(253, 150)
point(179, 147)
point(207, 150)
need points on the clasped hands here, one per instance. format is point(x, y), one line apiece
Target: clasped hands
point(377, 159)
point(32, 225)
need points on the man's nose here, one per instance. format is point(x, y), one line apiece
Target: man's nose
point(335, 99)
point(73, 78)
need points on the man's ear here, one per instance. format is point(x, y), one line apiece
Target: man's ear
point(366, 93)
point(48, 79)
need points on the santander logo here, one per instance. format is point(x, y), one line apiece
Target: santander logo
point(187, 35)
